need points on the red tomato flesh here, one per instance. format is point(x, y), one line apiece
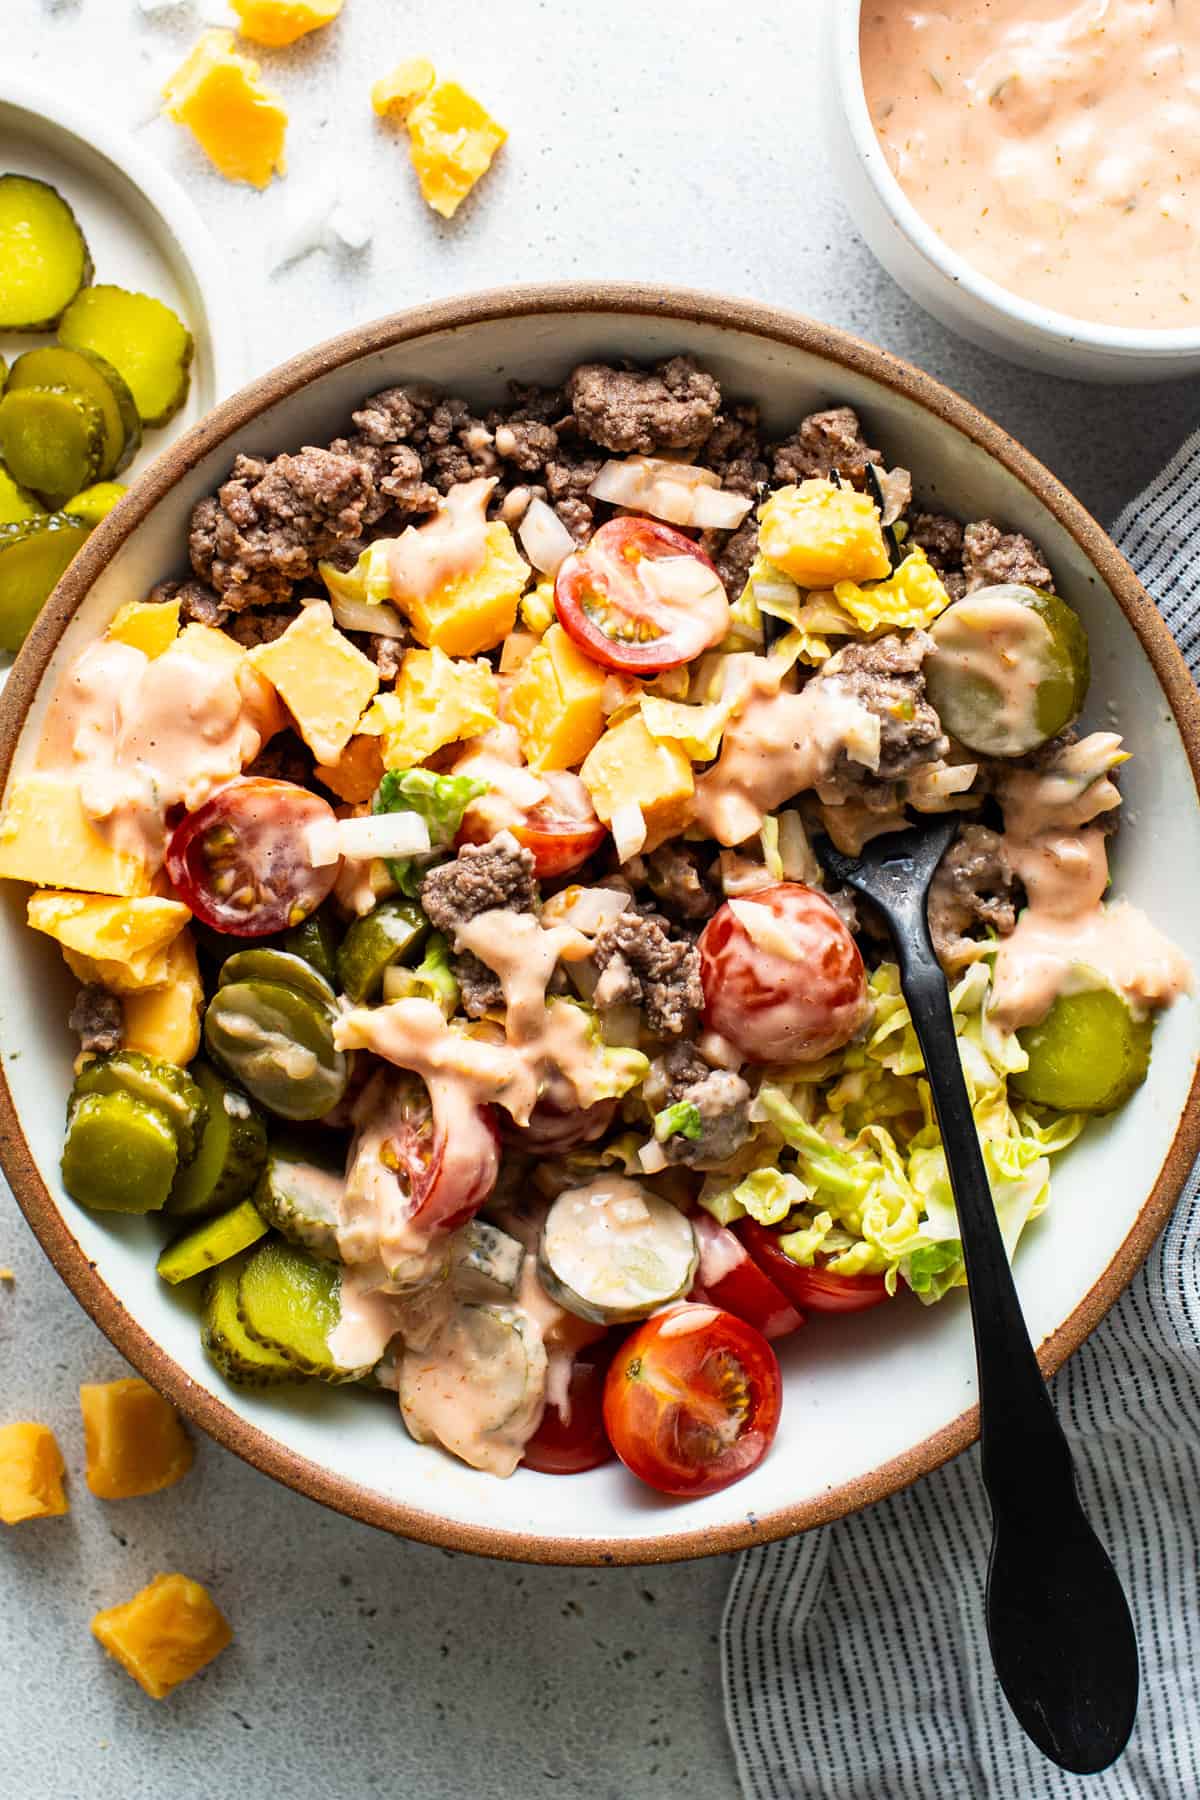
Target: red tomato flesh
point(814, 1288)
point(240, 861)
point(728, 1276)
point(773, 1007)
point(561, 832)
point(692, 1400)
point(567, 1445)
point(447, 1164)
point(641, 598)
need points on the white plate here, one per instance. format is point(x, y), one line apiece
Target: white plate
point(870, 1401)
point(143, 233)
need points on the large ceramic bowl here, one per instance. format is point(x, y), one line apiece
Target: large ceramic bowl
point(871, 1403)
point(945, 283)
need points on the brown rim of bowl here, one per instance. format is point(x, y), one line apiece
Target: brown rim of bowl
point(232, 416)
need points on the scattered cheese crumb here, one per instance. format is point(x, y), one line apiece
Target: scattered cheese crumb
point(7, 1275)
point(279, 22)
point(453, 140)
point(166, 1634)
point(31, 1473)
point(135, 1441)
point(394, 95)
point(239, 124)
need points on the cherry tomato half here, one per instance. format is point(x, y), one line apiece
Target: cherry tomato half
point(813, 1288)
point(567, 1445)
point(641, 598)
point(728, 1276)
point(692, 1400)
point(240, 861)
point(445, 1163)
point(562, 832)
point(775, 1007)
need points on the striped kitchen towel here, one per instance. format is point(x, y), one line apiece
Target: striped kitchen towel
point(854, 1658)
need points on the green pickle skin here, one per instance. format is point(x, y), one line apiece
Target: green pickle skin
point(968, 705)
point(1089, 1054)
point(394, 930)
point(120, 1154)
point(212, 1242)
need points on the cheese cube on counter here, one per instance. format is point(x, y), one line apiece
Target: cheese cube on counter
point(31, 1473)
point(239, 124)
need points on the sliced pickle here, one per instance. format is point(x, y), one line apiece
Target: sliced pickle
point(95, 502)
point(316, 941)
point(83, 372)
point(278, 1043)
point(300, 1191)
point(33, 556)
point(17, 504)
point(146, 343)
point(290, 1300)
point(212, 1242)
point(1009, 669)
point(52, 440)
point(283, 966)
point(616, 1251)
point(231, 1153)
point(485, 1262)
point(44, 258)
point(395, 929)
point(119, 1154)
point(1087, 1055)
point(240, 1358)
point(160, 1084)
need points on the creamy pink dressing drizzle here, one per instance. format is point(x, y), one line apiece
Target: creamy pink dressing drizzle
point(1068, 939)
point(452, 545)
point(1055, 145)
point(141, 735)
point(995, 640)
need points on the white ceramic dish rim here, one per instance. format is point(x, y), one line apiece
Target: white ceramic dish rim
point(317, 1479)
point(178, 214)
point(1142, 345)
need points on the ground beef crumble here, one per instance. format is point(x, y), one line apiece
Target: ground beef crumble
point(641, 963)
point(974, 886)
point(671, 407)
point(97, 1020)
point(481, 878)
point(720, 1097)
point(825, 442)
point(679, 885)
point(991, 556)
point(887, 677)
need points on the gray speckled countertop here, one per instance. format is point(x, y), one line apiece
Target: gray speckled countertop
point(674, 142)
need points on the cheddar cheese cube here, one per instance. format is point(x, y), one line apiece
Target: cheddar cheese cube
point(239, 124)
point(263, 705)
point(324, 682)
point(135, 1442)
point(475, 612)
point(47, 838)
point(279, 22)
point(556, 703)
point(31, 1473)
point(122, 944)
point(630, 768)
point(435, 701)
point(394, 96)
point(820, 534)
point(165, 1021)
point(166, 1634)
point(356, 773)
point(913, 595)
point(453, 140)
point(149, 625)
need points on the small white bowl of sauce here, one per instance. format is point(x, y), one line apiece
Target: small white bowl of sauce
point(1029, 171)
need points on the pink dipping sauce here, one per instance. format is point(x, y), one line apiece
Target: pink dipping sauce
point(1056, 146)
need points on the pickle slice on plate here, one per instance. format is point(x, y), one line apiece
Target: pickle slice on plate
point(241, 1359)
point(291, 1301)
point(316, 941)
point(212, 1242)
point(300, 1192)
point(278, 1043)
point(1009, 669)
point(17, 505)
point(52, 440)
point(83, 372)
point(284, 966)
point(160, 1084)
point(146, 343)
point(95, 502)
point(231, 1153)
point(33, 555)
point(44, 259)
point(395, 929)
point(119, 1154)
point(1087, 1055)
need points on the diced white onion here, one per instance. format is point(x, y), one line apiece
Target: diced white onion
point(322, 843)
point(652, 1157)
point(383, 834)
point(680, 493)
point(588, 909)
point(351, 230)
point(741, 874)
point(544, 538)
point(628, 826)
point(765, 931)
point(795, 852)
point(521, 786)
point(375, 616)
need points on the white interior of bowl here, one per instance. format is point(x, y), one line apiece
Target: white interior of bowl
point(859, 1392)
point(844, 20)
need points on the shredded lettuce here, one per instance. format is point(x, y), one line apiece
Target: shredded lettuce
point(432, 979)
point(681, 1120)
point(440, 800)
point(368, 581)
